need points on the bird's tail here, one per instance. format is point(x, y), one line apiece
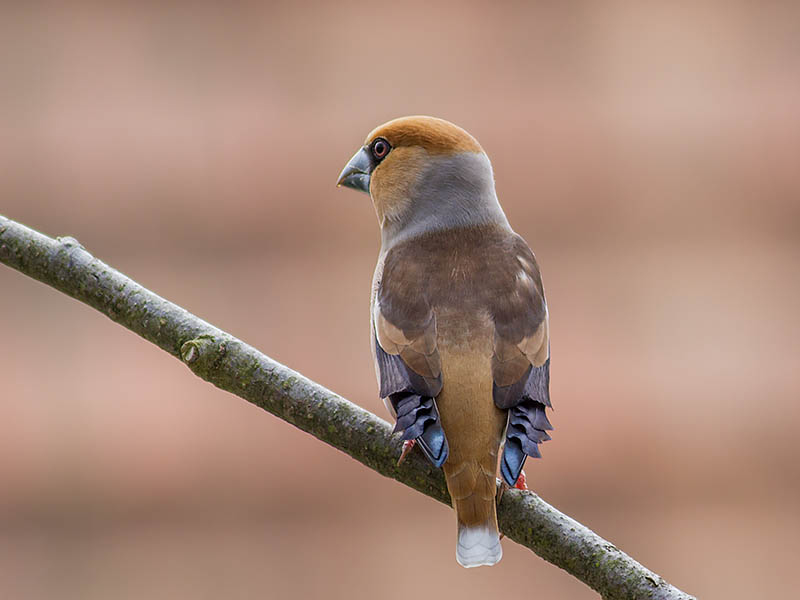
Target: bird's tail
point(472, 488)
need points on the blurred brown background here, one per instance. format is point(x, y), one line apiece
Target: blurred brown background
point(649, 154)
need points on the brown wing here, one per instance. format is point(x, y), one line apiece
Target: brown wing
point(405, 332)
point(522, 329)
point(405, 327)
point(409, 367)
point(521, 358)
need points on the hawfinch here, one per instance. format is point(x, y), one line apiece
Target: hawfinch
point(460, 331)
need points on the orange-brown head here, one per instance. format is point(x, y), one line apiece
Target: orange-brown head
point(435, 136)
point(423, 173)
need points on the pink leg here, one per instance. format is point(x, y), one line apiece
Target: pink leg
point(408, 445)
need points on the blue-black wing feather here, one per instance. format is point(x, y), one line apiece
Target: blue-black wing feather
point(413, 399)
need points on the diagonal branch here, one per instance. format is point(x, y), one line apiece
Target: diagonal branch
point(232, 365)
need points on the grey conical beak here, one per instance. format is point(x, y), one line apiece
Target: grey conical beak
point(357, 172)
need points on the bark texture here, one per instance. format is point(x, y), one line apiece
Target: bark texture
point(236, 367)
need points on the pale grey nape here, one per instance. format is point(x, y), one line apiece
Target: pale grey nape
point(453, 191)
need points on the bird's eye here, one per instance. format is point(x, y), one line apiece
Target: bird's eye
point(380, 148)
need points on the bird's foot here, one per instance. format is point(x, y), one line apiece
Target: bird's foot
point(501, 491)
point(521, 484)
point(408, 445)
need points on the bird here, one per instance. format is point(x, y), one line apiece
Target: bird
point(459, 323)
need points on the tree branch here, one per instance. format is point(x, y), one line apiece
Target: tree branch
point(232, 365)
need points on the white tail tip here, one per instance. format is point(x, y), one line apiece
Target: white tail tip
point(478, 546)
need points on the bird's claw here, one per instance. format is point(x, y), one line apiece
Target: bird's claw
point(501, 491)
point(408, 445)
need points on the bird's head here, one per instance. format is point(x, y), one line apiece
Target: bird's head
point(423, 174)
